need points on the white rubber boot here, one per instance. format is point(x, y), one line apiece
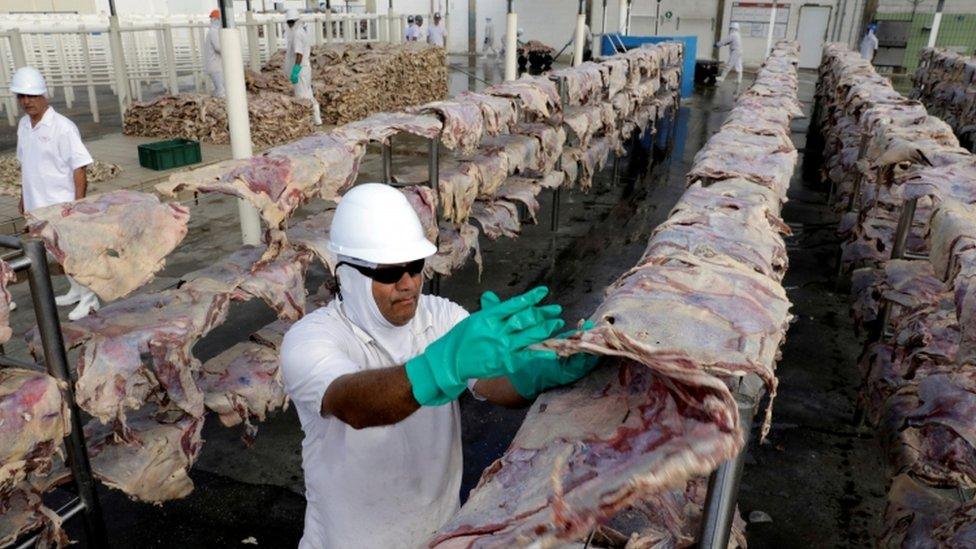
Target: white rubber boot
point(73, 296)
point(86, 305)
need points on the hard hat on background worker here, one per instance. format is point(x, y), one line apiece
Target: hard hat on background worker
point(215, 14)
point(374, 223)
point(409, 19)
point(28, 81)
point(291, 14)
point(437, 15)
point(734, 26)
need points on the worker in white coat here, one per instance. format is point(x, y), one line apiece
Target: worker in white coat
point(488, 43)
point(212, 63)
point(411, 33)
point(52, 165)
point(375, 376)
point(734, 42)
point(869, 44)
point(298, 63)
point(437, 35)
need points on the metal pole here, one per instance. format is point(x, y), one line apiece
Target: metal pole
point(769, 35)
point(118, 63)
point(936, 23)
point(723, 489)
point(580, 35)
point(253, 47)
point(511, 42)
point(434, 174)
point(657, 18)
point(49, 327)
point(111, 8)
point(622, 18)
point(904, 228)
point(387, 149)
point(237, 117)
point(86, 55)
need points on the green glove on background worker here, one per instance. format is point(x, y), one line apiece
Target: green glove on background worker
point(547, 369)
point(295, 71)
point(489, 343)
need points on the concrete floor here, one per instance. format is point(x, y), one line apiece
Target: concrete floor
point(818, 478)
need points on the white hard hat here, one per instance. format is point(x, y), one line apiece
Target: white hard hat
point(28, 81)
point(291, 15)
point(733, 26)
point(375, 223)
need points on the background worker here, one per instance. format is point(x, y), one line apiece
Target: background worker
point(410, 35)
point(734, 42)
point(437, 35)
point(212, 63)
point(489, 41)
point(869, 44)
point(298, 65)
point(375, 376)
point(421, 35)
point(52, 165)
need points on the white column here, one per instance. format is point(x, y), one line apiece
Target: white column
point(936, 23)
point(240, 126)
point(86, 54)
point(118, 63)
point(622, 17)
point(769, 35)
point(17, 49)
point(580, 37)
point(511, 44)
point(171, 78)
point(253, 48)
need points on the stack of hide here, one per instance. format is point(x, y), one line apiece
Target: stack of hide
point(946, 82)
point(97, 172)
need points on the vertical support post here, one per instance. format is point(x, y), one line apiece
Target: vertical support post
point(56, 360)
point(936, 23)
point(92, 98)
point(253, 48)
point(237, 116)
point(511, 42)
point(723, 489)
point(904, 228)
point(118, 63)
point(328, 27)
point(65, 69)
point(270, 38)
point(622, 17)
point(603, 30)
point(387, 149)
point(171, 78)
point(434, 174)
point(580, 36)
point(10, 106)
point(772, 26)
point(557, 192)
point(17, 48)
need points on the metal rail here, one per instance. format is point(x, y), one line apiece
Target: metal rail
point(33, 259)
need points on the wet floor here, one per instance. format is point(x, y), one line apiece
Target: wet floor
point(817, 478)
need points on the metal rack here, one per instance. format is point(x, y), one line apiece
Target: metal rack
point(33, 258)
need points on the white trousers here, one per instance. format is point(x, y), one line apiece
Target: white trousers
point(303, 88)
point(217, 77)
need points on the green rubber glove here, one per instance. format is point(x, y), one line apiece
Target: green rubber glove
point(295, 70)
point(489, 343)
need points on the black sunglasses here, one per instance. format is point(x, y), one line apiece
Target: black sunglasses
point(388, 275)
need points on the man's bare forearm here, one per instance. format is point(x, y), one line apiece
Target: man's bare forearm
point(499, 390)
point(371, 398)
point(81, 183)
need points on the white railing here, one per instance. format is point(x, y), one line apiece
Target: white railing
point(74, 53)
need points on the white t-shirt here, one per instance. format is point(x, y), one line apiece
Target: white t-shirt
point(413, 33)
point(436, 35)
point(379, 487)
point(49, 153)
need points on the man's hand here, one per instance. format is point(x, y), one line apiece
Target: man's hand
point(490, 343)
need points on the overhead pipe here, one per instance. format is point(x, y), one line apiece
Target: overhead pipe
point(580, 35)
point(511, 42)
point(237, 119)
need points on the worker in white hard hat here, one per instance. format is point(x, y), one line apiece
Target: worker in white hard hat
point(52, 166)
point(734, 42)
point(437, 35)
point(411, 34)
point(212, 63)
point(489, 40)
point(298, 65)
point(375, 376)
point(869, 44)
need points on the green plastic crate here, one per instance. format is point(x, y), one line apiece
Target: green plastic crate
point(164, 155)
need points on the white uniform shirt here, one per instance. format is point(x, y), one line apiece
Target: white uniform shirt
point(413, 33)
point(436, 35)
point(868, 45)
point(211, 49)
point(49, 153)
point(379, 487)
point(297, 40)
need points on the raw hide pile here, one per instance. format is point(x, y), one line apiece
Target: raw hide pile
point(275, 118)
point(97, 172)
point(353, 81)
point(675, 331)
point(919, 390)
point(945, 81)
